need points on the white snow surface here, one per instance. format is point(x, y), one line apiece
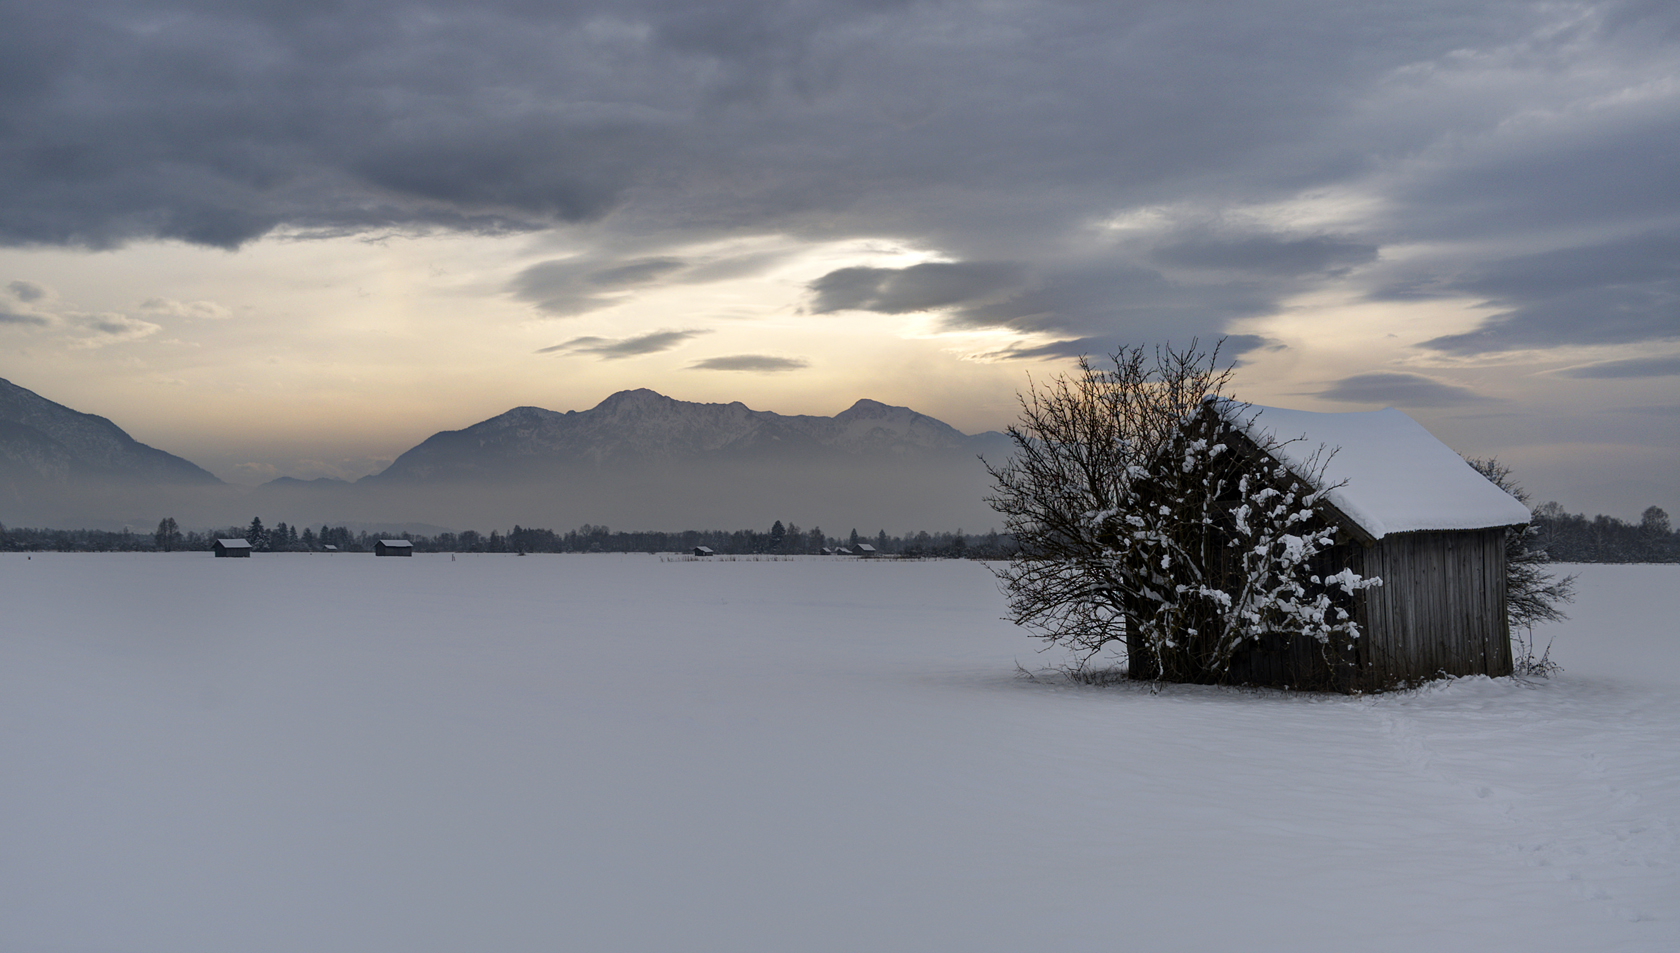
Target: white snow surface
point(1397, 477)
point(604, 753)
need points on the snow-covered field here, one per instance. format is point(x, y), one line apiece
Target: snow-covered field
point(600, 753)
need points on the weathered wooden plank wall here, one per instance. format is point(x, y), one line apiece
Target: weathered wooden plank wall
point(1440, 610)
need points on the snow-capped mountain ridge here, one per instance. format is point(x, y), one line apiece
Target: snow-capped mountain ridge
point(642, 426)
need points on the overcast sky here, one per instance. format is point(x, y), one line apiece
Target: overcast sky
point(299, 236)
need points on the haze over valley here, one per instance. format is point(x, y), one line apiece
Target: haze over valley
point(637, 460)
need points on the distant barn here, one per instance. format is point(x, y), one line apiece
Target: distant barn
point(232, 547)
point(865, 550)
point(393, 547)
point(1415, 514)
point(703, 551)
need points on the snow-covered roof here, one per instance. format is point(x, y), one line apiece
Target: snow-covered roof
point(234, 543)
point(1396, 477)
point(395, 543)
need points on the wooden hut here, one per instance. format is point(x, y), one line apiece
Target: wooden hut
point(1408, 510)
point(703, 551)
point(238, 548)
point(393, 547)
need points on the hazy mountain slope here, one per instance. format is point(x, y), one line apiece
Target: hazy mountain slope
point(62, 467)
point(642, 460)
point(54, 442)
point(643, 428)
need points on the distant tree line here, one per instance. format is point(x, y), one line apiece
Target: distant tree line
point(1573, 538)
point(780, 539)
point(1566, 537)
point(788, 539)
point(19, 540)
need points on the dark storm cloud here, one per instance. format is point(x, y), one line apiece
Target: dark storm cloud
point(118, 326)
point(1131, 303)
point(1632, 368)
point(725, 267)
point(1229, 347)
point(1267, 254)
point(995, 135)
point(574, 286)
point(1618, 168)
point(10, 315)
point(756, 363)
point(571, 286)
point(636, 272)
point(1403, 390)
point(213, 122)
point(611, 349)
point(1134, 304)
point(1076, 347)
point(1620, 292)
point(921, 287)
point(21, 310)
point(27, 291)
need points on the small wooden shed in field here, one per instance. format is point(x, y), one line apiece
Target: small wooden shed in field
point(232, 547)
point(1410, 511)
point(703, 551)
point(393, 547)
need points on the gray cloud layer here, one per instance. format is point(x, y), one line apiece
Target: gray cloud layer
point(571, 286)
point(916, 288)
point(20, 310)
point(1634, 367)
point(1619, 292)
point(998, 135)
point(611, 349)
point(756, 363)
point(27, 291)
point(1399, 389)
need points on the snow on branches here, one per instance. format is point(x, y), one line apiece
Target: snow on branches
point(1143, 515)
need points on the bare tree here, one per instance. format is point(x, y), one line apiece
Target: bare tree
point(1142, 515)
point(1532, 594)
point(168, 534)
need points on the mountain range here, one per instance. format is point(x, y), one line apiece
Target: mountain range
point(642, 428)
point(60, 465)
point(637, 460)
